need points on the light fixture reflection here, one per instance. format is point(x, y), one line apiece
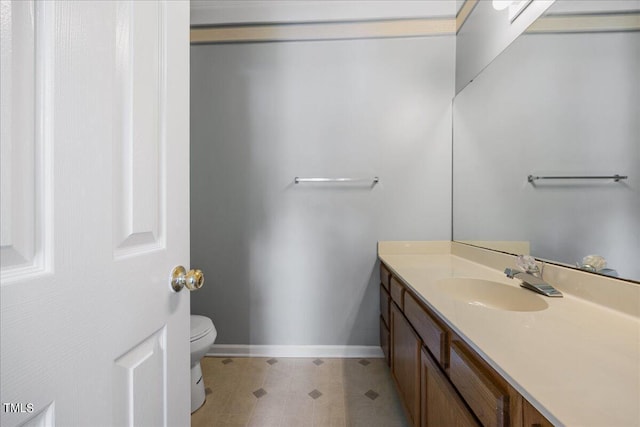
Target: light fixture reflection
point(501, 4)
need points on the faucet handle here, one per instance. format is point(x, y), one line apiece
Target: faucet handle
point(510, 272)
point(527, 263)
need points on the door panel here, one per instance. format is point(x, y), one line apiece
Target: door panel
point(24, 156)
point(97, 206)
point(140, 383)
point(140, 146)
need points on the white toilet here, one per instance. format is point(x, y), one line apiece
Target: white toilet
point(203, 334)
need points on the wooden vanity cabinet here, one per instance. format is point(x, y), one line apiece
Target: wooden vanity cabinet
point(441, 380)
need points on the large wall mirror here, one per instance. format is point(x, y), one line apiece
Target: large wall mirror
point(563, 100)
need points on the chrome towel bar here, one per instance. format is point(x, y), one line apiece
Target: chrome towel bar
point(298, 180)
point(616, 177)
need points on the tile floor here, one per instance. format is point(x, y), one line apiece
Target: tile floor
point(296, 392)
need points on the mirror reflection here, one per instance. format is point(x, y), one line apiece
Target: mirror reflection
point(562, 102)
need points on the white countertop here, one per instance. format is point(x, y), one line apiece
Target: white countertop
point(577, 362)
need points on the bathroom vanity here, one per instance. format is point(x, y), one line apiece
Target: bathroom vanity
point(468, 346)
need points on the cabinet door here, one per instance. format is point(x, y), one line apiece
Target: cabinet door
point(385, 323)
point(384, 340)
point(440, 403)
point(405, 363)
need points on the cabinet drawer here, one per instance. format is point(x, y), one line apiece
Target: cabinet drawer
point(396, 291)
point(487, 399)
point(533, 418)
point(384, 340)
point(384, 305)
point(432, 333)
point(385, 276)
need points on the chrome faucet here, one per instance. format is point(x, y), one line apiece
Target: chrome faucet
point(533, 281)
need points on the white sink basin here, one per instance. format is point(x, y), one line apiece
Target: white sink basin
point(488, 294)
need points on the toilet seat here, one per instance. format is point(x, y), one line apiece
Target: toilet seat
point(200, 326)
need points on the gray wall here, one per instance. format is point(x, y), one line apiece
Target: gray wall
point(296, 264)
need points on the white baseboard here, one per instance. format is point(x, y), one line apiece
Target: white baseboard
point(344, 351)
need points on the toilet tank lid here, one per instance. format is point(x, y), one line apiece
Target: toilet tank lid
point(200, 326)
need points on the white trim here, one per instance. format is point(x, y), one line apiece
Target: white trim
point(324, 31)
point(464, 12)
point(346, 351)
point(212, 12)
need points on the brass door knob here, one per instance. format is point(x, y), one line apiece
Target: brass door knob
point(192, 279)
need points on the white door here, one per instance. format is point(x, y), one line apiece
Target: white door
point(95, 213)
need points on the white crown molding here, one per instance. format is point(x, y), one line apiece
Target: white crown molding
point(324, 31)
point(218, 12)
